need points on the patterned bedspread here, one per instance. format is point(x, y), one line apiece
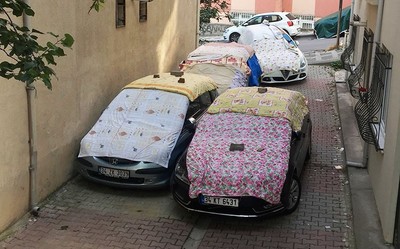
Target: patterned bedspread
point(193, 86)
point(226, 76)
point(259, 170)
point(275, 102)
point(275, 55)
point(139, 125)
point(221, 54)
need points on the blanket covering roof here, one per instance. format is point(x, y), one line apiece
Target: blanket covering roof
point(274, 102)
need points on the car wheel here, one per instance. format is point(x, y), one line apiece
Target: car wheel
point(234, 37)
point(294, 195)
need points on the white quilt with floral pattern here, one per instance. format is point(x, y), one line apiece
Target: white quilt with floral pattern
point(139, 125)
point(275, 55)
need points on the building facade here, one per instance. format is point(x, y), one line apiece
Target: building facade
point(124, 41)
point(376, 87)
point(316, 8)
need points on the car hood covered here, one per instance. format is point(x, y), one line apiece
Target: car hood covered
point(274, 53)
point(138, 125)
point(259, 170)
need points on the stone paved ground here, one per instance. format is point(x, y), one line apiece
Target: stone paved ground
point(87, 215)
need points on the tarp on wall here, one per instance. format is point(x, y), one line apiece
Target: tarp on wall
point(326, 27)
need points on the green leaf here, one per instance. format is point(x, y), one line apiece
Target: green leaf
point(68, 41)
point(37, 31)
point(50, 59)
point(29, 12)
point(51, 33)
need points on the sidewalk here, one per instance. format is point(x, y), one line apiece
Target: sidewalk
point(367, 227)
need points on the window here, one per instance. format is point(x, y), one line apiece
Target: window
point(274, 18)
point(120, 13)
point(371, 109)
point(142, 11)
point(254, 20)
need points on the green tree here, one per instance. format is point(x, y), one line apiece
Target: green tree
point(213, 9)
point(26, 59)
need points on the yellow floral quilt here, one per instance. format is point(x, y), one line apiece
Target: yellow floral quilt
point(190, 85)
point(275, 102)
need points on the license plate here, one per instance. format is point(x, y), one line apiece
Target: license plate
point(220, 201)
point(115, 173)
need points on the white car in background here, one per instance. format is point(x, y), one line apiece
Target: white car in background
point(284, 20)
point(280, 58)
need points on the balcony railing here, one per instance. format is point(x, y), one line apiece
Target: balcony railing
point(356, 79)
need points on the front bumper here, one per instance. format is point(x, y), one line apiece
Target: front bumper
point(249, 207)
point(284, 76)
point(141, 175)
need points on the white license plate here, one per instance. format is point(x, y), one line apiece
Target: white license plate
point(116, 173)
point(221, 201)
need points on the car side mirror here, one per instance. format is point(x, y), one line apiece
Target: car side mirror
point(191, 124)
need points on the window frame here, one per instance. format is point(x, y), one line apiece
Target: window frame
point(120, 13)
point(142, 11)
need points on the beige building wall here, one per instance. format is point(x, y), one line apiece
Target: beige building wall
point(304, 7)
point(384, 166)
point(247, 6)
point(103, 59)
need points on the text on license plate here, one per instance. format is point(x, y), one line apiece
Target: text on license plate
point(116, 173)
point(221, 201)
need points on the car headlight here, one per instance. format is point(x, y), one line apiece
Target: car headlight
point(303, 62)
point(181, 170)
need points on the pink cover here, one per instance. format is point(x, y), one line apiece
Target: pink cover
point(259, 170)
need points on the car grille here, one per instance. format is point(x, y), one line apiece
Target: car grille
point(132, 180)
point(116, 161)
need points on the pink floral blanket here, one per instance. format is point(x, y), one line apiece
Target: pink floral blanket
point(259, 170)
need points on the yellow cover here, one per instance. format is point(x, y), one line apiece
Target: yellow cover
point(193, 86)
point(275, 102)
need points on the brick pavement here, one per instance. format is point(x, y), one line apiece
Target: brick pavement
point(87, 215)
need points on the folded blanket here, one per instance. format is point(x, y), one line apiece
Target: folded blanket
point(225, 76)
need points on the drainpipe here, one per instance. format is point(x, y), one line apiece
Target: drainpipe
point(339, 24)
point(197, 23)
point(30, 92)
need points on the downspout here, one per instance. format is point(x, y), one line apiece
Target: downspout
point(30, 92)
point(197, 24)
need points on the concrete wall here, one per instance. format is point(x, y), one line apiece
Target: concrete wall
point(384, 169)
point(384, 166)
point(247, 6)
point(318, 8)
point(327, 7)
point(104, 58)
point(304, 7)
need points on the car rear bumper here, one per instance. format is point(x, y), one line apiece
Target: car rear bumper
point(249, 207)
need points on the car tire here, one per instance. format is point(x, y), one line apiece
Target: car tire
point(234, 37)
point(294, 195)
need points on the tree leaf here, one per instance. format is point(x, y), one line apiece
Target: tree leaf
point(68, 41)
